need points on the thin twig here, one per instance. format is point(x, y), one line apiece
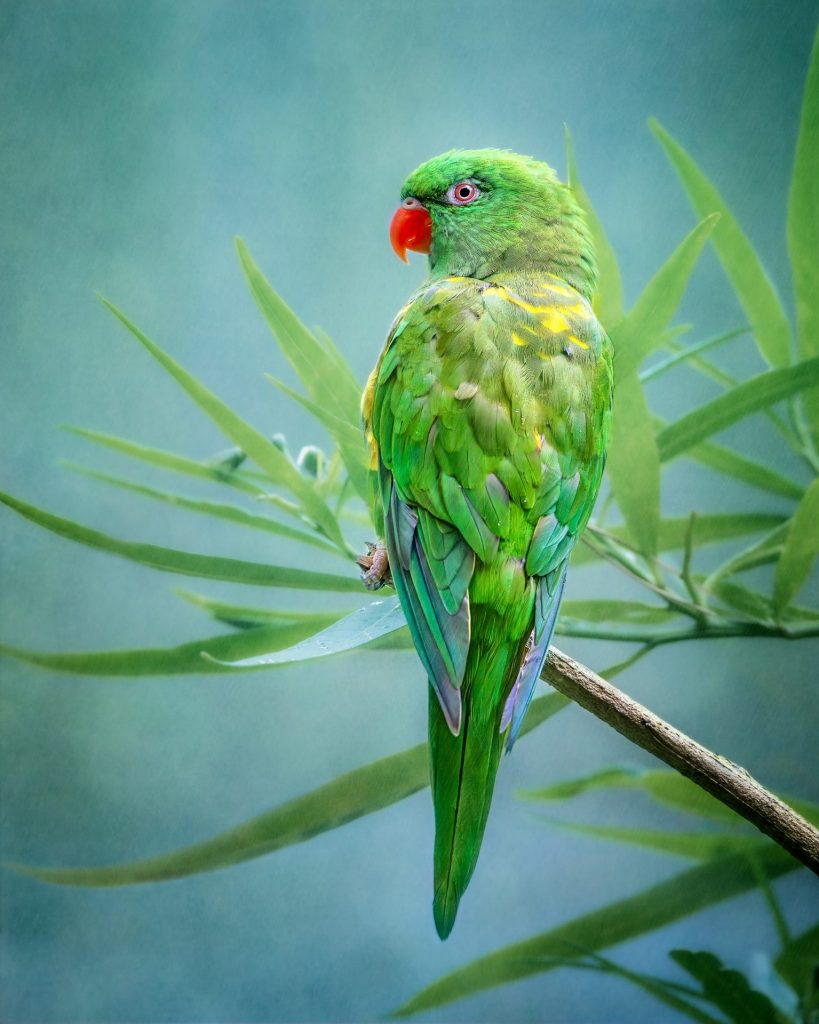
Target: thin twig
point(728, 782)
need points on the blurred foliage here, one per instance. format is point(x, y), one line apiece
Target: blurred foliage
point(314, 497)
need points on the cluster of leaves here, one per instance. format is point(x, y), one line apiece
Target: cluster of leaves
point(311, 500)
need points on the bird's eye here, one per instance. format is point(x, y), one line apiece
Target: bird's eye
point(463, 193)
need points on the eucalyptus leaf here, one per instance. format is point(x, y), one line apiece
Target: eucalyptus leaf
point(608, 302)
point(248, 618)
point(755, 474)
point(803, 227)
point(329, 382)
point(708, 529)
point(693, 845)
point(610, 610)
point(753, 395)
point(667, 992)
point(800, 551)
point(633, 463)
point(186, 563)
point(678, 897)
point(360, 792)
point(373, 621)
point(728, 990)
point(691, 352)
point(218, 510)
point(266, 455)
point(171, 461)
point(642, 329)
point(744, 600)
point(666, 787)
point(753, 287)
point(765, 551)
point(186, 659)
point(798, 962)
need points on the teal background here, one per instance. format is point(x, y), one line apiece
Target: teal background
point(136, 139)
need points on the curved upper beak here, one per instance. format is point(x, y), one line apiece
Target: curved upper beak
point(411, 228)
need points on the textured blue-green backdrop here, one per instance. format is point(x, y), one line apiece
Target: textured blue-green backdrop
point(136, 139)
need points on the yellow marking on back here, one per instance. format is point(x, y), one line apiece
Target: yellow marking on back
point(577, 341)
point(518, 340)
point(580, 310)
point(558, 289)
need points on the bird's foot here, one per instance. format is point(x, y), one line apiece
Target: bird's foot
point(375, 566)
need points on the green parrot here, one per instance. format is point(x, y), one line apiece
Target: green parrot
point(487, 417)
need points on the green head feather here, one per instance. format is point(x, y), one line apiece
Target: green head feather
point(523, 218)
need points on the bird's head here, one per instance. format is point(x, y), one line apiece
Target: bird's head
point(481, 211)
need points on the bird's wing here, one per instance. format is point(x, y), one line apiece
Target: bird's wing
point(484, 424)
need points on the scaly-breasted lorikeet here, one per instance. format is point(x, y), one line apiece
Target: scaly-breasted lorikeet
point(487, 416)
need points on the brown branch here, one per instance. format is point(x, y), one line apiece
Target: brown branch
point(723, 779)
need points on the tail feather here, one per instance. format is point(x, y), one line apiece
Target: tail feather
point(463, 778)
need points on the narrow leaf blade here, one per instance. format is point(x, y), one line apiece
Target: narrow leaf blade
point(362, 791)
point(634, 464)
point(752, 285)
point(678, 897)
point(753, 395)
point(803, 227)
point(274, 462)
point(800, 551)
point(642, 329)
point(373, 621)
point(186, 563)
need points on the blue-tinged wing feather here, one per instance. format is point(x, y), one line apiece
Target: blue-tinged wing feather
point(547, 606)
point(441, 635)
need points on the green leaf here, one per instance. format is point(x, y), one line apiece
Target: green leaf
point(799, 961)
point(678, 897)
point(349, 439)
point(727, 381)
point(753, 395)
point(186, 659)
point(667, 992)
point(708, 529)
point(753, 288)
point(373, 621)
point(763, 552)
point(749, 603)
point(691, 352)
point(171, 461)
point(666, 787)
point(243, 617)
point(360, 792)
point(218, 510)
point(608, 302)
point(801, 548)
point(328, 380)
point(633, 464)
point(186, 563)
point(606, 610)
point(728, 990)
point(695, 845)
point(728, 462)
point(263, 452)
point(803, 227)
point(641, 331)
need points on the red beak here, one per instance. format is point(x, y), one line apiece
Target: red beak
point(411, 228)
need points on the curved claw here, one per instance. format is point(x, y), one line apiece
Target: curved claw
point(375, 566)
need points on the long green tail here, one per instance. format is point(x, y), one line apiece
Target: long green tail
point(463, 770)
